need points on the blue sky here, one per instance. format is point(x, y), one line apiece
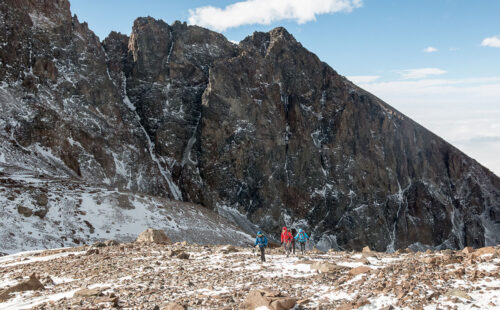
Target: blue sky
point(437, 61)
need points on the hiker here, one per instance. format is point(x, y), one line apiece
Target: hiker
point(294, 233)
point(261, 243)
point(284, 235)
point(288, 243)
point(302, 238)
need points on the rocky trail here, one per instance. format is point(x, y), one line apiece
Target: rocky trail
point(142, 275)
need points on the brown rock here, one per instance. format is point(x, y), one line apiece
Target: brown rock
point(315, 250)
point(362, 302)
point(111, 242)
point(430, 260)
point(183, 255)
point(153, 236)
point(173, 306)
point(27, 212)
point(364, 260)
point(33, 284)
point(303, 302)
point(87, 292)
point(92, 251)
point(366, 249)
point(268, 298)
point(458, 293)
point(98, 244)
point(468, 250)
point(325, 267)
point(42, 200)
point(485, 250)
point(41, 212)
point(111, 298)
point(359, 270)
point(283, 303)
point(256, 299)
point(228, 249)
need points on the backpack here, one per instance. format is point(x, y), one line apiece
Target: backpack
point(302, 237)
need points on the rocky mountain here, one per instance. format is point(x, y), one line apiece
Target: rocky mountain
point(46, 212)
point(262, 132)
point(185, 276)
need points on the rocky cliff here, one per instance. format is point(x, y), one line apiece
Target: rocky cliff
point(263, 132)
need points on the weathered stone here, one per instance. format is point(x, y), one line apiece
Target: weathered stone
point(111, 242)
point(326, 267)
point(458, 293)
point(256, 299)
point(284, 303)
point(468, 250)
point(42, 200)
point(183, 255)
point(33, 284)
point(153, 236)
point(41, 213)
point(359, 270)
point(92, 251)
point(267, 298)
point(98, 244)
point(27, 212)
point(228, 249)
point(87, 292)
point(484, 251)
point(173, 306)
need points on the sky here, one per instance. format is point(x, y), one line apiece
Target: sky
point(436, 61)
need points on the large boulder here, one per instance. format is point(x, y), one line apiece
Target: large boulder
point(85, 292)
point(359, 270)
point(228, 249)
point(153, 236)
point(173, 306)
point(326, 267)
point(33, 284)
point(270, 299)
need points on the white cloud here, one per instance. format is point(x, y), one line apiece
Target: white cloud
point(267, 11)
point(420, 73)
point(491, 41)
point(430, 49)
point(363, 78)
point(465, 112)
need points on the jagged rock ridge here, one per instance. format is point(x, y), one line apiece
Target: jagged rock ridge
point(263, 132)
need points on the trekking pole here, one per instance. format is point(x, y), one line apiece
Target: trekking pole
point(253, 249)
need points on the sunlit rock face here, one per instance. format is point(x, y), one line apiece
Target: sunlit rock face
point(263, 132)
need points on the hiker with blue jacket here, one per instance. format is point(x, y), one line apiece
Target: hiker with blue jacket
point(261, 243)
point(302, 238)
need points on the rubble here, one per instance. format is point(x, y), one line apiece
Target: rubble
point(157, 276)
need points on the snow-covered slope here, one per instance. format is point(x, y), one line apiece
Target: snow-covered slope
point(40, 212)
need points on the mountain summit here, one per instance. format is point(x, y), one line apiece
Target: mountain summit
point(262, 132)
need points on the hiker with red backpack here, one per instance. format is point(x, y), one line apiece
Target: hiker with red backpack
point(302, 238)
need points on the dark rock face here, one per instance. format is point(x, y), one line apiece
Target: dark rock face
point(261, 131)
point(63, 113)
